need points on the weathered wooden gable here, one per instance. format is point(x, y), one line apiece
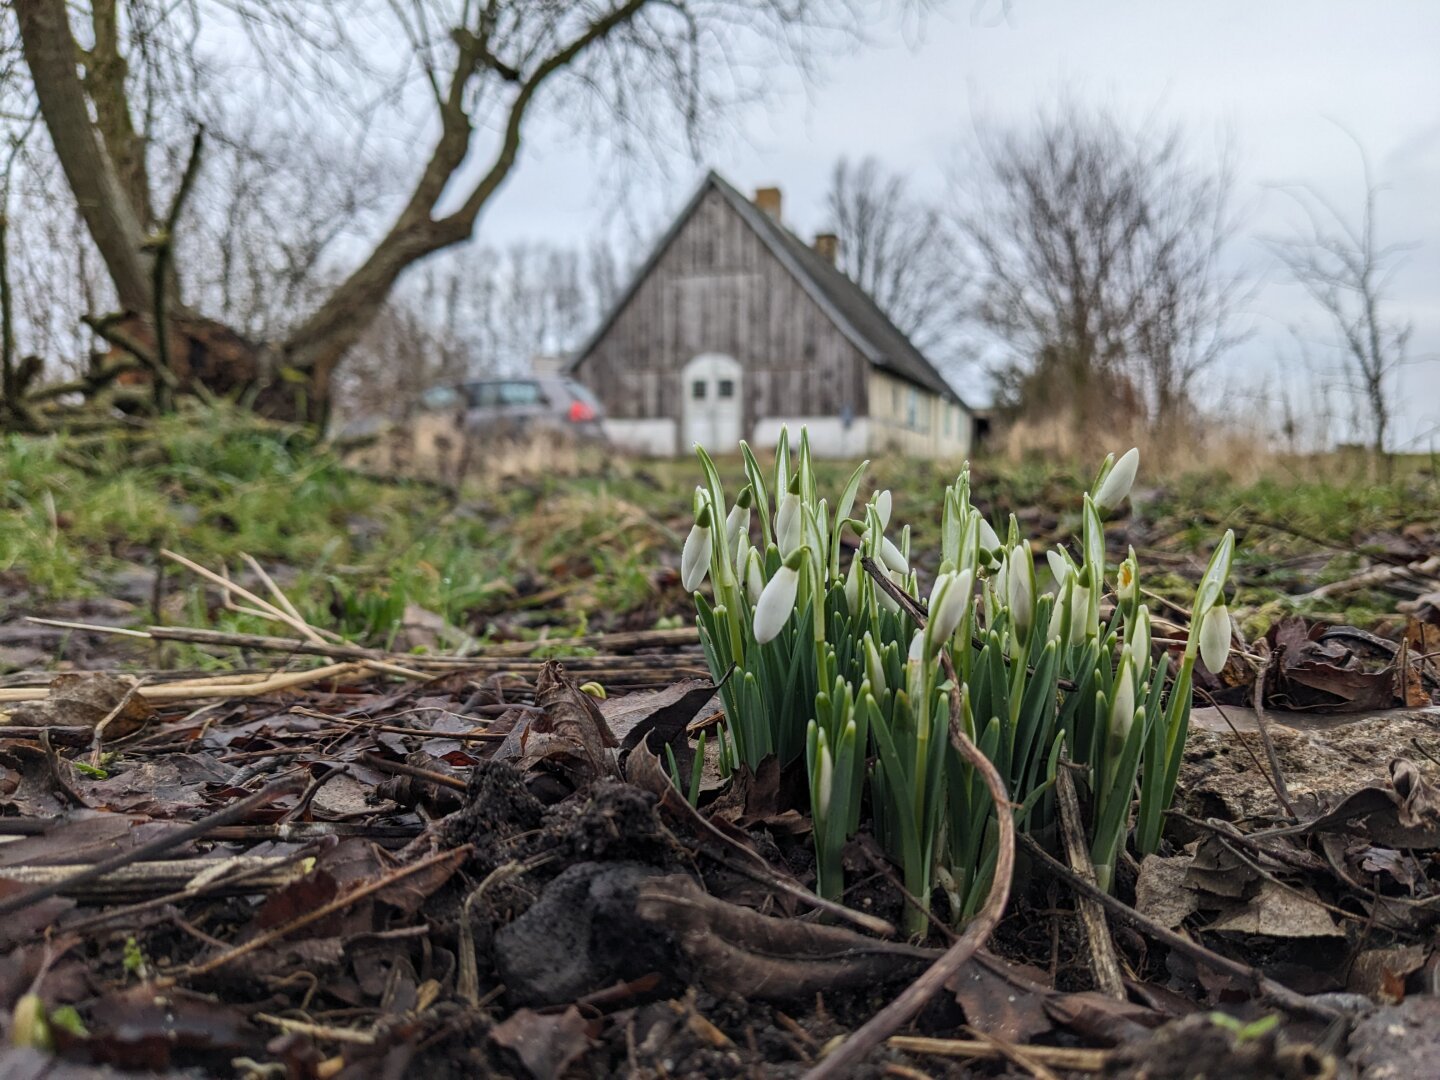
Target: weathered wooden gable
point(717, 287)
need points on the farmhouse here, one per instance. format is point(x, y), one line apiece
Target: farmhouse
point(734, 327)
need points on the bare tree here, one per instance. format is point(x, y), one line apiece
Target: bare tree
point(896, 248)
point(1345, 269)
point(1097, 264)
point(488, 69)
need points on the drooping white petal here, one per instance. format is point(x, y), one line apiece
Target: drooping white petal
point(1122, 709)
point(1059, 567)
point(695, 557)
point(1140, 638)
point(737, 522)
point(1021, 593)
point(777, 601)
point(988, 540)
point(787, 524)
point(826, 781)
point(891, 557)
point(852, 586)
point(917, 647)
point(1215, 637)
point(947, 604)
point(1117, 484)
point(882, 508)
point(1079, 613)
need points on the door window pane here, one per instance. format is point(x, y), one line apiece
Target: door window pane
point(697, 389)
point(726, 388)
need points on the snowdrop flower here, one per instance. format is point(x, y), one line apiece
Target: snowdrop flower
point(1080, 607)
point(1020, 594)
point(737, 522)
point(695, 556)
point(777, 599)
point(1140, 639)
point(1057, 614)
point(988, 540)
point(852, 586)
point(787, 524)
point(1127, 583)
point(882, 508)
point(1059, 567)
point(1215, 637)
point(947, 604)
point(1118, 482)
point(891, 557)
point(874, 666)
point(826, 780)
point(917, 648)
point(1122, 709)
point(754, 576)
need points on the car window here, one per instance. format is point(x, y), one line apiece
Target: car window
point(519, 393)
point(442, 398)
point(480, 394)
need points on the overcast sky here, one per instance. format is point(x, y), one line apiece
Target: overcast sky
point(1283, 80)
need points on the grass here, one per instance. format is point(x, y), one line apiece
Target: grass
point(567, 554)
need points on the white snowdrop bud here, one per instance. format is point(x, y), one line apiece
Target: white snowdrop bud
point(787, 524)
point(891, 557)
point(1215, 637)
point(1122, 709)
point(882, 508)
point(1117, 484)
point(777, 599)
point(1021, 593)
point(947, 604)
point(695, 556)
point(826, 782)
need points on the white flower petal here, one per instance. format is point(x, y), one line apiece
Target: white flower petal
point(695, 558)
point(1215, 638)
point(777, 601)
point(891, 557)
point(1118, 483)
point(787, 524)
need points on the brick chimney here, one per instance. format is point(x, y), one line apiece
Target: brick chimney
point(827, 246)
point(768, 200)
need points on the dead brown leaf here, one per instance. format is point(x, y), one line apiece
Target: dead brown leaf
point(546, 1044)
point(85, 700)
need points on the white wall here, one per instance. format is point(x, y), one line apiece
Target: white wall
point(937, 428)
point(829, 437)
point(653, 437)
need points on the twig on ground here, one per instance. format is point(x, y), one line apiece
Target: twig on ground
point(234, 812)
point(1014, 1054)
point(323, 911)
point(454, 783)
point(1103, 961)
point(1060, 1057)
point(1281, 789)
point(1271, 778)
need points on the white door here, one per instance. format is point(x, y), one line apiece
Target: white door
point(710, 384)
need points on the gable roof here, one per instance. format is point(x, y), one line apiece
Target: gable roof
point(848, 306)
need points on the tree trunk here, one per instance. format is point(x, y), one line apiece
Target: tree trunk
point(51, 54)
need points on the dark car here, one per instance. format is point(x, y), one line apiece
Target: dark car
point(516, 408)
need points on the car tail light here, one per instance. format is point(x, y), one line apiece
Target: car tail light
point(580, 412)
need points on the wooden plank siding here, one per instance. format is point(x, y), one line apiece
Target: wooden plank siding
point(718, 288)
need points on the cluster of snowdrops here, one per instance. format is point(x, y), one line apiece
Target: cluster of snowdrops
point(813, 657)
